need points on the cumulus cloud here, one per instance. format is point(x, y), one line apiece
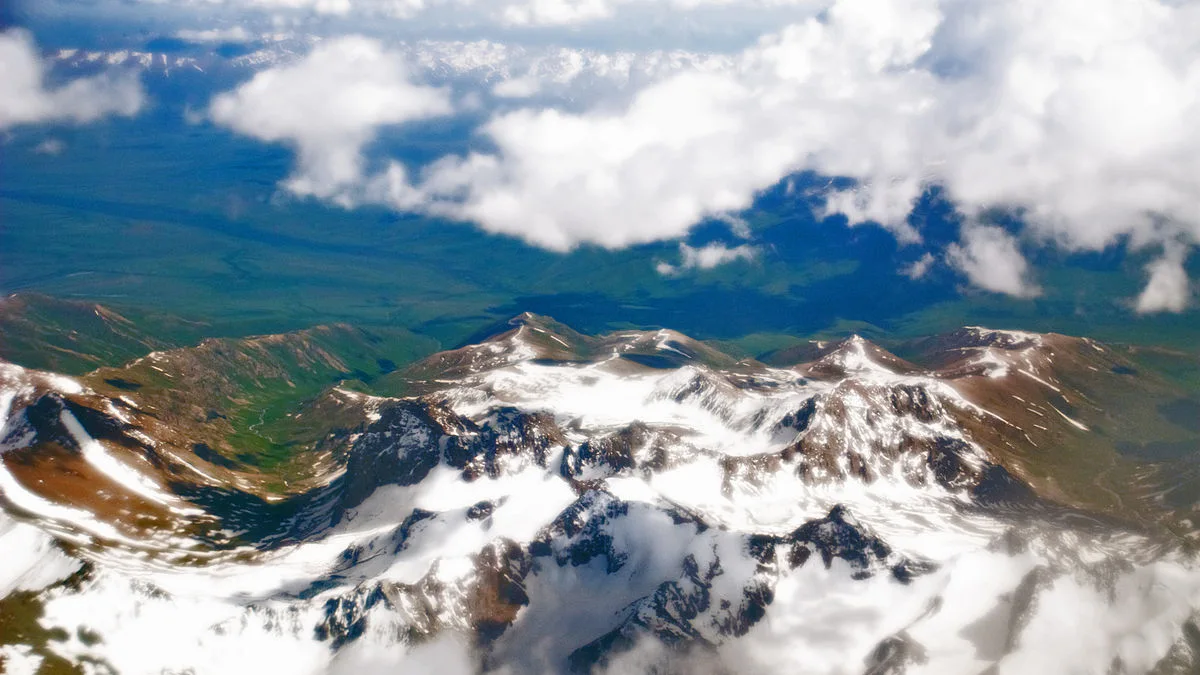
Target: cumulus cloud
point(706, 257)
point(1074, 116)
point(1168, 289)
point(704, 143)
point(990, 259)
point(983, 98)
point(644, 174)
point(329, 106)
point(25, 98)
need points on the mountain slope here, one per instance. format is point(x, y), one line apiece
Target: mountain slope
point(75, 337)
point(547, 501)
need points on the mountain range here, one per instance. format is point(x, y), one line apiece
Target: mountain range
point(339, 499)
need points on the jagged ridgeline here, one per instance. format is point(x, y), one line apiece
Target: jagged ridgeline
point(544, 501)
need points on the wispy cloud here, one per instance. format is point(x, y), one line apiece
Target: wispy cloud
point(919, 267)
point(706, 257)
point(50, 146)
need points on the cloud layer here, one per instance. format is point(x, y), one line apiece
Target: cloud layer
point(1074, 115)
point(25, 98)
point(524, 13)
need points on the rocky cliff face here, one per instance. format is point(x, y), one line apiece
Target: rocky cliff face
point(546, 501)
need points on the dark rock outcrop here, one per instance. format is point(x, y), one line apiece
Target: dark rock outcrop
point(840, 535)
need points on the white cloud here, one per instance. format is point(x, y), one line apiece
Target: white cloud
point(1075, 114)
point(517, 87)
point(644, 174)
point(25, 99)
point(991, 260)
point(574, 12)
point(556, 12)
point(402, 9)
point(701, 143)
point(920, 267)
point(706, 257)
point(329, 106)
point(737, 224)
point(1168, 289)
point(236, 33)
point(536, 13)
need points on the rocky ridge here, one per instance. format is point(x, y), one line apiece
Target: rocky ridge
point(562, 501)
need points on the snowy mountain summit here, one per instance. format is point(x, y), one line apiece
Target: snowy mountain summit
point(549, 502)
